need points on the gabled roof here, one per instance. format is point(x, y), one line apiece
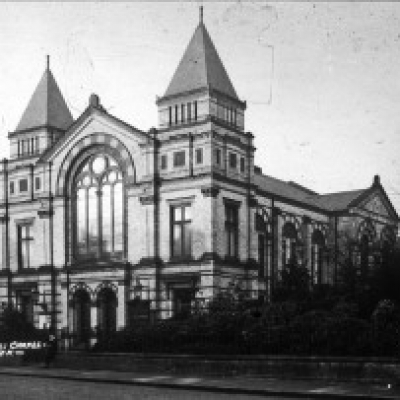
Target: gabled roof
point(333, 202)
point(46, 107)
point(201, 67)
point(94, 108)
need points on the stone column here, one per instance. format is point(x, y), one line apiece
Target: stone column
point(121, 307)
point(93, 322)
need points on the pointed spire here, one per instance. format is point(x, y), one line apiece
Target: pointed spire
point(201, 67)
point(47, 106)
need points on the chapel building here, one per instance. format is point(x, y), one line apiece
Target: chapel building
point(103, 225)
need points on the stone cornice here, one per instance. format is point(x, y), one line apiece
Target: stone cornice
point(210, 191)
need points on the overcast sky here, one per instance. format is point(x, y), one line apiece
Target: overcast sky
point(321, 80)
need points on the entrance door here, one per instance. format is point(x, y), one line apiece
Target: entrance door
point(107, 314)
point(81, 306)
point(182, 302)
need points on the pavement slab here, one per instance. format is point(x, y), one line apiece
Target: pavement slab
point(258, 386)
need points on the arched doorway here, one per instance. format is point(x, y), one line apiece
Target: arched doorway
point(81, 308)
point(106, 314)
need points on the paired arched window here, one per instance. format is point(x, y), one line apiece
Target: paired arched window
point(99, 208)
point(317, 256)
point(289, 243)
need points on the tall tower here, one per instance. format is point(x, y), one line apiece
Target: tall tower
point(200, 89)
point(44, 120)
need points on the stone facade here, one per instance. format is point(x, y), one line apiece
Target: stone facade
point(103, 225)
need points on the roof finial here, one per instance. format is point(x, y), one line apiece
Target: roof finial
point(47, 62)
point(201, 14)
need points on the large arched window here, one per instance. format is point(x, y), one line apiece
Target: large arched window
point(317, 256)
point(99, 209)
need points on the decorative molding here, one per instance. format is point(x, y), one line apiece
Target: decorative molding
point(276, 211)
point(149, 199)
point(252, 201)
point(45, 213)
point(149, 262)
point(210, 191)
point(4, 219)
point(210, 256)
point(236, 203)
point(24, 221)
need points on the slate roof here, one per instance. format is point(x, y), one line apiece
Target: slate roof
point(292, 191)
point(341, 200)
point(46, 106)
point(201, 67)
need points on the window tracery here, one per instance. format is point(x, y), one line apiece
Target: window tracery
point(99, 208)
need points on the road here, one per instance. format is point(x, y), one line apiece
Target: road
point(30, 388)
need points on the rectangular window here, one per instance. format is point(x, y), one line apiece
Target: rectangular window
point(37, 183)
point(179, 159)
point(169, 115)
point(199, 156)
point(37, 144)
point(176, 114)
point(19, 148)
point(12, 188)
point(242, 164)
point(232, 229)
point(23, 185)
point(232, 160)
point(195, 110)
point(182, 112)
point(218, 156)
point(189, 111)
point(181, 219)
point(164, 161)
point(235, 117)
point(24, 245)
point(32, 145)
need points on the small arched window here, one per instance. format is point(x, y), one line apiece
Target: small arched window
point(99, 208)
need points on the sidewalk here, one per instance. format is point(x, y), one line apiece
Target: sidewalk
point(236, 385)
